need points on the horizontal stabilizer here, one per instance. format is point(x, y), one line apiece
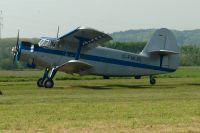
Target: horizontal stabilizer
point(74, 66)
point(163, 52)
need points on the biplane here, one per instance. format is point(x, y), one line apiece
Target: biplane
point(79, 52)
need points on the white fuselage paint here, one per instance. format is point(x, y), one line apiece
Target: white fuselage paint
point(105, 61)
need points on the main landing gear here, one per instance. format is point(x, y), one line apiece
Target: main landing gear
point(47, 80)
point(152, 80)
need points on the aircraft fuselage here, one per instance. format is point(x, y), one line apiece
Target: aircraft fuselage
point(105, 61)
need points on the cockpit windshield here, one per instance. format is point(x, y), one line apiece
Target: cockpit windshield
point(47, 43)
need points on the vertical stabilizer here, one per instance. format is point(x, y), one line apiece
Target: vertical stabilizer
point(163, 39)
point(163, 46)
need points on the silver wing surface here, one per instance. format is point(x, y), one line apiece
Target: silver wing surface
point(87, 36)
point(74, 66)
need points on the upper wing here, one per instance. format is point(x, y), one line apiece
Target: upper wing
point(86, 35)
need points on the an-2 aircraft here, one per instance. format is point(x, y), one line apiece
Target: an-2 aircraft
point(79, 51)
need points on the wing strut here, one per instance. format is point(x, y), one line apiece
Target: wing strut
point(161, 60)
point(81, 43)
point(77, 55)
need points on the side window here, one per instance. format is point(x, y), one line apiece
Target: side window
point(55, 44)
point(48, 43)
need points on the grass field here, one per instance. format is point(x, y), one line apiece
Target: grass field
point(91, 104)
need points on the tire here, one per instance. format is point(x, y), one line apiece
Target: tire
point(48, 83)
point(106, 77)
point(152, 81)
point(40, 82)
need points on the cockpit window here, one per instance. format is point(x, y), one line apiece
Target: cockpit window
point(47, 43)
point(41, 42)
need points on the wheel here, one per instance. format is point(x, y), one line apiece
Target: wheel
point(40, 82)
point(106, 77)
point(48, 83)
point(152, 81)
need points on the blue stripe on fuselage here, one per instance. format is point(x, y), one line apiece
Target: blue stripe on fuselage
point(100, 59)
point(124, 63)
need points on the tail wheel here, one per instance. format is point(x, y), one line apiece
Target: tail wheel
point(137, 77)
point(152, 81)
point(40, 82)
point(48, 83)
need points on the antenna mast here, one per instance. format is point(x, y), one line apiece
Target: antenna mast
point(1, 23)
point(58, 32)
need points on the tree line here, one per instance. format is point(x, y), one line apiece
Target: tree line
point(190, 54)
point(142, 35)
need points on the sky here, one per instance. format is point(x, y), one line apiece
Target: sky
point(36, 18)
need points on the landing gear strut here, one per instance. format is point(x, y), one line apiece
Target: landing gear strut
point(152, 80)
point(47, 80)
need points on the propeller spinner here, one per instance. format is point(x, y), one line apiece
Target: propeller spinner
point(15, 49)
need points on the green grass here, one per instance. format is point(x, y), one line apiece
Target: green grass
point(33, 75)
point(95, 105)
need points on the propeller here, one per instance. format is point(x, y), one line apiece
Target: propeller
point(16, 48)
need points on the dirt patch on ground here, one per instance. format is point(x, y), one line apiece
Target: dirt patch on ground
point(180, 128)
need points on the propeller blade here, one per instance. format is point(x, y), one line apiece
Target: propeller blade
point(14, 58)
point(17, 45)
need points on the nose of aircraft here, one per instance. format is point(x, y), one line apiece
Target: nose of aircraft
point(24, 52)
point(16, 52)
